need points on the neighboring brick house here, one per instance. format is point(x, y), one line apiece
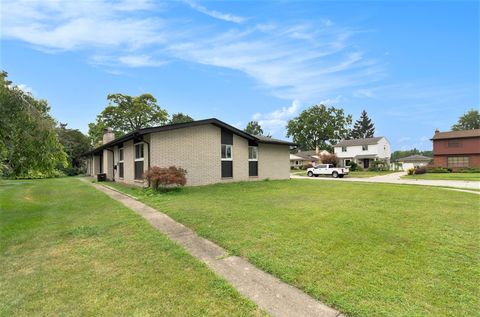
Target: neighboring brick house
point(456, 149)
point(210, 150)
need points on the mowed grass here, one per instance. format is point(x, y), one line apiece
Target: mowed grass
point(446, 176)
point(367, 249)
point(66, 249)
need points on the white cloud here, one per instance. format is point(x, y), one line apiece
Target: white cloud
point(330, 101)
point(292, 60)
point(215, 14)
point(275, 121)
point(139, 61)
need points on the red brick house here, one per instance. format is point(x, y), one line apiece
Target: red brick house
point(456, 149)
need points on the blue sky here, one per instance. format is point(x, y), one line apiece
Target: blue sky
point(413, 66)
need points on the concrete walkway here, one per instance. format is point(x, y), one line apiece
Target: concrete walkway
point(269, 293)
point(395, 178)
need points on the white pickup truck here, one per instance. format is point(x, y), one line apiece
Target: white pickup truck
point(327, 169)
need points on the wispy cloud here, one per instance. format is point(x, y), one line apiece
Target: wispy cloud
point(276, 120)
point(216, 14)
point(304, 60)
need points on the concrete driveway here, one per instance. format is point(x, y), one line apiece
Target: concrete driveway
point(394, 178)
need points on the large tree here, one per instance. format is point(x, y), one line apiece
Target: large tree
point(126, 114)
point(180, 118)
point(75, 144)
point(363, 127)
point(470, 120)
point(29, 146)
point(319, 126)
point(254, 128)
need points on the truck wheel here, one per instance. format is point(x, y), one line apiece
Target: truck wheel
point(335, 174)
point(310, 174)
point(316, 175)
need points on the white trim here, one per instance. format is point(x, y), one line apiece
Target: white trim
point(135, 152)
point(254, 159)
point(231, 152)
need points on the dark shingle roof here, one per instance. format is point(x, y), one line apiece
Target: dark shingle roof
point(415, 158)
point(357, 142)
point(474, 133)
point(214, 121)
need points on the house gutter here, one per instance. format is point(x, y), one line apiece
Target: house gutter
point(148, 156)
point(113, 162)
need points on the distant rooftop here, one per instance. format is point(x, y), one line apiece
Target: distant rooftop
point(474, 133)
point(357, 142)
point(415, 158)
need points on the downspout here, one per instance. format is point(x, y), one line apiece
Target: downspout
point(148, 156)
point(113, 162)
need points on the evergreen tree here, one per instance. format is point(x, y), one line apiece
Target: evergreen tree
point(363, 127)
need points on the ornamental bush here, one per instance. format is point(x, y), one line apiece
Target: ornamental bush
point(166, 177)
point(329, 159)
point(420, 170)
point(437, 170)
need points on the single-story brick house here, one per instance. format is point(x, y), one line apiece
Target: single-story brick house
point(210, 150)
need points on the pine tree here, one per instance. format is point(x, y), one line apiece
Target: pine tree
point(363, 128)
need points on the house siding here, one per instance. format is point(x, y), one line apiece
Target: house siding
point(466, 147)
point(273, 161)
point(197, 149)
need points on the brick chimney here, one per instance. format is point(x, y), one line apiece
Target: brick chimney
point(437, 131)
point(108, 135)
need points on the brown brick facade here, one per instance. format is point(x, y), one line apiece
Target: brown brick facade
point(456, 149)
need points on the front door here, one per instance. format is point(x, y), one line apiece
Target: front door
point(366, 163)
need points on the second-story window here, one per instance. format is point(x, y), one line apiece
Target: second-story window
point(138, 168)
point(364, 147)
point(453, 143)
point(344, 149)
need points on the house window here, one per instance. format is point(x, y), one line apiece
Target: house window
point(226, 152)
point(344, 149)
point(364, 147)
point(453, 143)
point(457, 161)
point(253, 153)
point(120, 163)
point(252, 161)
point(347, 163)
point(139, 161)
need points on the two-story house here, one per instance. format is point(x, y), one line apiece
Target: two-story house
point(456, 149)
point(362, 151)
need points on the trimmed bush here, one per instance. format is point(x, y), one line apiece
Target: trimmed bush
point(469, 170)
point(420, 170)
point(411, 171)
point(353, 166)
point(166, 177)
point(437, 170)
point(378, 166)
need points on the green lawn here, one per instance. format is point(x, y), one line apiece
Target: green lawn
point(368, 249)
point(356, 174)
point(66, 249)
point(446, 176)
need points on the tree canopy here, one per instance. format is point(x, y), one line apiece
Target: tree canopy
point(180, 118)
point(400, 154)
point(319, 126)
point(75, 144)
point(470, 120)
point(363, 127)
point(29, 146)
point(254, 128)
point(125, 114)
